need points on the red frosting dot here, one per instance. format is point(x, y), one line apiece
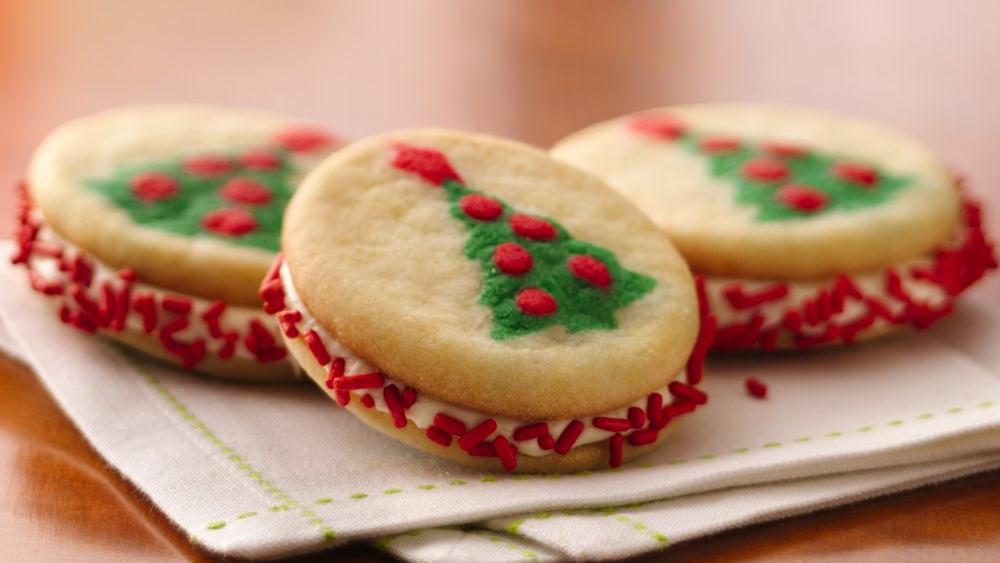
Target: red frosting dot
point(430, 164)
point(590, 269)
point(802, 197)
point(512, 258)
point(787, 150)
point(260, 159)
point(532, 227)
point(719, 144)
point(859, 174)
point(481, 207)
point(536, 302)
point(154, 186)
point(230, 222)
point(303, 139)
point(660, 126)
point(764, 170)
point(207, 165)
point(245, 190)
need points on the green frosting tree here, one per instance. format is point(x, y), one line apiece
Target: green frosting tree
point(536, 273)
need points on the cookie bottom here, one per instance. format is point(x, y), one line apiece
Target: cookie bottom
point(585, 457)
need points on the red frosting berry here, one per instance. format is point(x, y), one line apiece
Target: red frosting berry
point(802, 197)
point(787, 150)
point(512, 258)
point(154, 186)
point(859, 174)
point(481, 207)
point(532, 227)
point(536, 302)
point(590, 269)
point(260, 159)
point(719, 144)
point(207, 165)
point(246, 190)
point(429, 164)
point(230, 222)
point(764, 169)
point(660, 126)
point(303, 139)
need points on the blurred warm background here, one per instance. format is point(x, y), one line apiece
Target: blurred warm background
point(531, 70)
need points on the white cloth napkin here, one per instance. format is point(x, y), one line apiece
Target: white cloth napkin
point(264, 471)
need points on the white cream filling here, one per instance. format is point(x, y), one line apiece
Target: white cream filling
point(234, 318)
point(422, 412)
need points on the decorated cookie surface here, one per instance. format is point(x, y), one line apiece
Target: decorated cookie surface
point(189, 197)
point(487, 275)
point(772, 192)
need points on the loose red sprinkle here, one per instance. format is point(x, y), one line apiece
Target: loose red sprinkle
point(316, 347)
point(764, 169)
point(719, 144)
point(615, 450)
point(439, 436)
point(590, 269)
point(660, 126)
point(336, 371)
point(368, 401)
point(246, 190)
point(359, 381)
point(787, 150)
point(854, 173)
point(176, 304)
point(395, 405)
point(232, 222)
point(481, 207)
point(207, 165)
point(654, 409)
point(154, 186)
point(802, 197)
point(643, 437)
point(260, 159)
point(536, 302)
point(429, 164)
point(756, 387)
point(531, 431)
point(512, 258)
point(303, 139)
point(636, 417)
point(449, 424)
point(533, 228)
point(568, 437)
point(611, 424)
point(478, 433)
point(505, 452)
point(546, 442)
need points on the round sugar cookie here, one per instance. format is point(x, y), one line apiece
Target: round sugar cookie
point(155, 225)
point(809, 228)
point(476, 290)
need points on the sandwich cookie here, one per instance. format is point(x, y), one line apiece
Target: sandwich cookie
point(810, 229)
point(481, 301)
point(154, 226)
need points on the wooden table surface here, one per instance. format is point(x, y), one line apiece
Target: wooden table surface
point(526, 69)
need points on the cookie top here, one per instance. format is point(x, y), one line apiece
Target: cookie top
point(774, 192)
point(189, 197)
point(486, 274)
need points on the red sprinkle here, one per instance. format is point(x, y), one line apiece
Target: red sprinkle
point(260, 159)
point(859, 174)
point(473, 437)
point(336, 372)
point(391, 396)
point(303, 139)
point(611, 424)
point(449, 424)
point(154, 186)
point(531, 431)
point(590, 269)
point(360, 381)
point(677, 409)
point(484, 449)
point(568, 437)
point(660, 126)
point(505, 452)
point(756, 387)
point(546, 442)
point(764, 169)
point(438, 436)
point(430, 164)
point(802, 197)
point(207, 165)
point(643, 437)
point(719, 144)
point(230, 222)
point(368, 401)
point(481, 207)
point(636, 417)
point(533, 228)
point(536, 302)
point(246, 190)
point(615, 450)
point(288, 320)
point(654, 409)
point(176, 304)
point(317, 348)
point(741, 298)
point(512, 258)
point(687, 392)
point(408, 396)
